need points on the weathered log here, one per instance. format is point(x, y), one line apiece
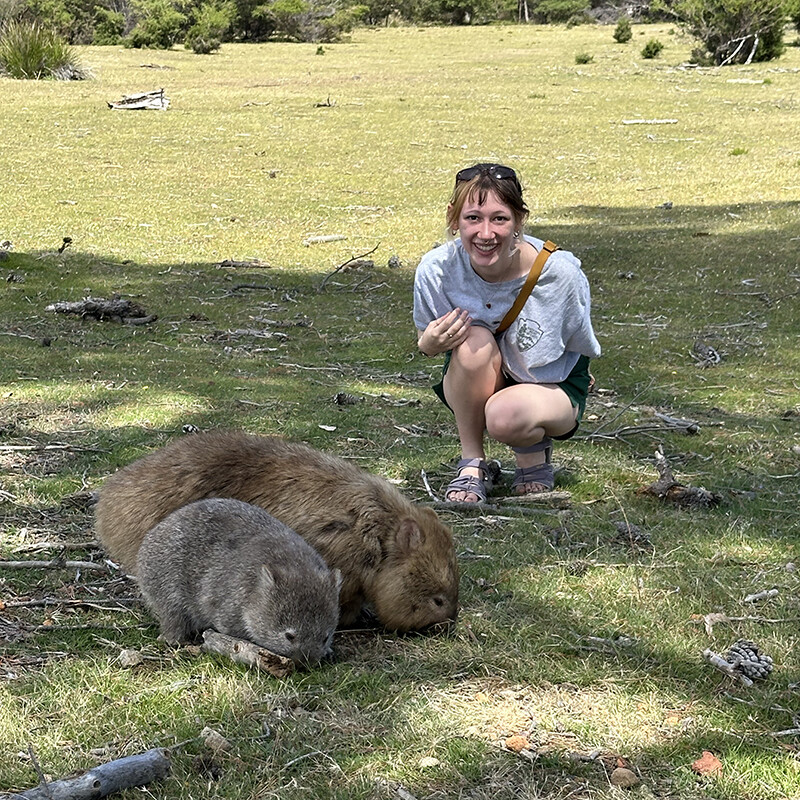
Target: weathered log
point(116, 309)
point(123, 773)
point(146, 100)
point(243, 652)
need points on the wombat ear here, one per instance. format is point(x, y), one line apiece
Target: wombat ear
point(409, 536)
point(266, 577)
point(337, 579)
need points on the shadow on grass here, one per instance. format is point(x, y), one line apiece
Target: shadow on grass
point(271, 359)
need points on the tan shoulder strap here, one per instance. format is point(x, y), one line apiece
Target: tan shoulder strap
point(536, 270)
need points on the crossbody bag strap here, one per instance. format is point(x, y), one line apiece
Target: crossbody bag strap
point(536, 270)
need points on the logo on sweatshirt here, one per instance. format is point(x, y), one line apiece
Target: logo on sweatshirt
point(528, 333)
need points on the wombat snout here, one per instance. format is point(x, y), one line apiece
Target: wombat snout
point(231, 566)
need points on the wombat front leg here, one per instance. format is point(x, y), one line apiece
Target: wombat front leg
point(176, 629)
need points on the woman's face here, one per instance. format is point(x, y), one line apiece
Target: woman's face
point(487, 233)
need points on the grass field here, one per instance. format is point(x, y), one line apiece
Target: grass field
point(677, 187)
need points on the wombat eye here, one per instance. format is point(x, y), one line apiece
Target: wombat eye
point(438, 601)
point(290, 636)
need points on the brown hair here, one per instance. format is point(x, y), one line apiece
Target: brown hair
point(507, 191)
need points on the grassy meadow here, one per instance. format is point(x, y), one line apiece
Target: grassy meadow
point(230, 216)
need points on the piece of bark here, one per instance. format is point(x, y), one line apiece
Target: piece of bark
point(124, 773)
point(116, 309)
point(667, 488)
point(243, 652)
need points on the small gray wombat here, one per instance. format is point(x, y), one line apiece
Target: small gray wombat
point(231, 566)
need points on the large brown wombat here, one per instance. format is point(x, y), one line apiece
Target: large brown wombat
point(233, 567)
point(392, 554)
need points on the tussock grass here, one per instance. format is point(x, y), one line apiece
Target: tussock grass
point(569, 634)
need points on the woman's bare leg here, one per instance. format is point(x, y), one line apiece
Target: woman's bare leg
point(524, 414)
point(474, 375)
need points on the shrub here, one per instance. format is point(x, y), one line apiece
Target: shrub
point(559, 10)
point(623, 32)
point(583, 58)
point(108, 26)
point(652, 48)
point(159, 25)
point(733, 31)
point(30, 50)
point(211, 23)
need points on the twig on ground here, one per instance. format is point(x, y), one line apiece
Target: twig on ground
point(766, 594)
point(488, 508)
point(428, 488)
point(342, 266)
point(28, 548)
point(44, 447)
point(86, 566)
point(723, 665)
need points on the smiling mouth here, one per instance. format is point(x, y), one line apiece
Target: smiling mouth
point(485, 248)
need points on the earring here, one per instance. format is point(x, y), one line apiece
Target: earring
point(516, 234)
point(454, 231)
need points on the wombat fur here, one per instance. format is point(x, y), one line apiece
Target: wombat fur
point(233, 567)
point(394, 555)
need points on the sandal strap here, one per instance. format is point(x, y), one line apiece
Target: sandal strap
point(542, 474)
point(546, 444)
point(478, 463)
point(479, 486)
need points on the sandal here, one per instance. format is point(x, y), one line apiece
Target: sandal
point(538, 475)
point(479, 486)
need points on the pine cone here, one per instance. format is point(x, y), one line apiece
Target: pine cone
point(745, 657)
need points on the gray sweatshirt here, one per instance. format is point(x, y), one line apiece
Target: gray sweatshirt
point(552, 330)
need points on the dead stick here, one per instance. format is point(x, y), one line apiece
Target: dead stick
point(123, 773)
point(247, 653)
point(718, 661)
point(342, 266)
point(86, 566)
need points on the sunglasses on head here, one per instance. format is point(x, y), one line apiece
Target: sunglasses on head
point(496, 171)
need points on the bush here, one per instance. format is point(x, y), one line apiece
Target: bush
point(559, 10)
point(652, 49)
point(109, 26)
point(30, 50)
point(211, 23)
point(733, 31)
point(159, 25)
point(623, 32)
point(583, 58)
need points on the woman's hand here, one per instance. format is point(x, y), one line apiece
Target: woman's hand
point(444, 333)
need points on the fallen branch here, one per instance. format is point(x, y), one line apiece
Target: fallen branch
point(86, 566)
point(230, 263)
point(490, 508)
point(116, 310)
point(767, 594)
point(123, 773)
point(342, 266)
point(138, 102)
point(247, 653)
point(649, 121)
point(667, 488)
point(718, 661)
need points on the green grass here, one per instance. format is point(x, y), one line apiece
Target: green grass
point(246, 165)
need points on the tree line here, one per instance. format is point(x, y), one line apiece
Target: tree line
point(728, 31)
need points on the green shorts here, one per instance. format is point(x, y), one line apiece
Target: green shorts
point(576, 386)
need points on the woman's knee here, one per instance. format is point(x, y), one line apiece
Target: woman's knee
point(477, 353)
point(506, 422)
